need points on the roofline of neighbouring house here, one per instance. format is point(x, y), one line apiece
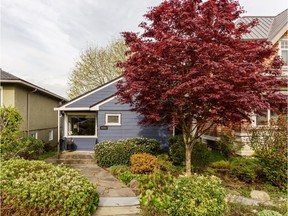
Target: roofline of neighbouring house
point(30, 85)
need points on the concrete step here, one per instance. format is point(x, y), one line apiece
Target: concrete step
point(75, 161)
point(117, 211)
point(77, 155)
point(119, 201)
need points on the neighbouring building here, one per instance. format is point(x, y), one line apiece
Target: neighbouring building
point(35, 104)
point(96, 116)
point(274, 29)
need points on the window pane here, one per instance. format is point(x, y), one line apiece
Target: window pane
point(284, 44)
point(82, 125)
point(113, 119)
point(284, 55)
point(262, 119)
point(273, 116)
point(50, 135)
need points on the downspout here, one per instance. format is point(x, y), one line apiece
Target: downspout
point(28, 111)
point(58, 133)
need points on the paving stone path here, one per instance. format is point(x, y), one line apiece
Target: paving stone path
point(115, 197)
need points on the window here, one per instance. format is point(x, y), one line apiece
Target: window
point(50, 135)
point(284, 51)
point(113, 119)
point(81, 124)
point(34, 134)
point(266, 117)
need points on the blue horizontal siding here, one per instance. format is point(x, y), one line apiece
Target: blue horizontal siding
point(84, 144)
point(95, 97)
point(114, 105)
point(129, 128)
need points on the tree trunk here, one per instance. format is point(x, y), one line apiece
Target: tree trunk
point(188, 158)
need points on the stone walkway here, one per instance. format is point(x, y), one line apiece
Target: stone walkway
point(115, 197)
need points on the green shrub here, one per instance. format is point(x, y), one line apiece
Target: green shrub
point(228, 145)
point(126, 177)
point(268, 213)
point(177, 150)
point(116, 170)
point(143, 163)
point(197, 195)
point(28, 148)
point(151, 146)
point(164, 163)
point(245, 169)
point(199, 158)
point(270, 146)
point(39, 188)
point(221, 164)
point(10, 121)
point(155, 189)
point(109, 153)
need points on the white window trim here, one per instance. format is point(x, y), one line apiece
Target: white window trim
point(280, 49)
point(34, 134)
point(51, 135)
point(113, 124)
point(254, 120)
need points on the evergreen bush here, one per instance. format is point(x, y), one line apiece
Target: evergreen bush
point(245, 169)
point(268, 213)
point(200, 156)
point(109, 153)
point(39, 188)
point(197, 195)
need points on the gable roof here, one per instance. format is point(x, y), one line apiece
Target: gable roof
point(89, 100)
point(269, 28)
point(6, 77)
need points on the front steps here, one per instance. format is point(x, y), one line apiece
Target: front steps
point(73, 158)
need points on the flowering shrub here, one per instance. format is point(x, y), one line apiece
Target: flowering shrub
point(143, 163)
point(38, 188)
point(69, 142)
point(197, 195)
point(270, 146)
point(109, 153)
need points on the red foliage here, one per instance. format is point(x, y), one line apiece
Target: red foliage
point(190, 63)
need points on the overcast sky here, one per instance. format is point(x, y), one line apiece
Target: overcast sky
point(42, 39)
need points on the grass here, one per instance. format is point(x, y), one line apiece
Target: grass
point(46, 155)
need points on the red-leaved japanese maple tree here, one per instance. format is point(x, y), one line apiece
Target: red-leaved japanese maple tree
point(190, 68)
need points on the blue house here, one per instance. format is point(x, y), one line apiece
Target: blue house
point(96, 116)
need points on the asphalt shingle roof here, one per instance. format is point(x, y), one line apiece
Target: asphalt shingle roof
point(7, 76)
